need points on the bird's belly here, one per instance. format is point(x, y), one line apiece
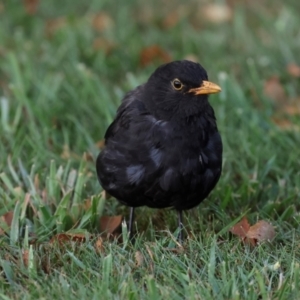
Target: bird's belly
point(188, 183)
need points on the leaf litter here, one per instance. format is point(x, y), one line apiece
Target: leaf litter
point(253, 235)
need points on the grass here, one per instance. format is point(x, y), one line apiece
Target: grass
point(59, 90)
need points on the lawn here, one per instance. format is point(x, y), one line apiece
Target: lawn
point(64, 68)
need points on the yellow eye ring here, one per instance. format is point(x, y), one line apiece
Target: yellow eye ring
point(177, 84)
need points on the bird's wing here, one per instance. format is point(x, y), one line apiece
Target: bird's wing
point(132, 158)
point(130, 107)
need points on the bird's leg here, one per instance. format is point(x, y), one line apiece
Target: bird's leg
point(180, 225)
point(130, 225)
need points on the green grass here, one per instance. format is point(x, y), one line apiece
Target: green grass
point(58, 93)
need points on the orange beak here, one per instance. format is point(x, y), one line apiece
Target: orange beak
point(207, 87)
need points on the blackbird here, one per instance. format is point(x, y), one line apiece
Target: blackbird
point(163, 148)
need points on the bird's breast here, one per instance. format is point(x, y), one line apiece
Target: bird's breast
point(187, 148)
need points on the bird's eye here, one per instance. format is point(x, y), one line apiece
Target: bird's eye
point(177, 84)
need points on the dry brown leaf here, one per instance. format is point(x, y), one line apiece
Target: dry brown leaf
point(152, 54)
point(281, 119)
point(292, 109)
point(173, 16)
point(104, 45)
point(25, 257)
point(151, 262)
point(110, 224)
point(45, 264)
point(62, 238)
point(215, 13)
point(87, 156)
point(31, 6)
point(54, 25)
point(99, 245)
point(7, 217)
point(144, 14)
point(150, 252)
point(102, 21)
point(87, 203)
point(139, 258)
point(241, 228)
point(285, 124)
point(179, 250)
point(44, 195)
point(293, 70)
point(100, 144)
point(171, 19)
point(261, 231)
point(274, 90)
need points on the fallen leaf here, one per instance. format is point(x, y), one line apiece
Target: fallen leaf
point(103, 44)
point(87, 203)
point(100, 144)
point(274, 90)
point(44, 195)
point(6, 220)
point(285, 124)
point(152, 54)
point(54, 25)
point(102, 21)
point(25, 257)
point(179, 250)
point(215, 13)
point(293, 70)
point(139, 258)
point(261, 231)
point(292, 109)
point(87, 156)
point(110, 224)
point(171, 19)
point(150, 253)
point(144, 14)
point(151, 262)
point(7, 217)
point(31, 6)
point(62, 238)
point(45, 264)
point(282, 118)
point(99, 245)
point(173, 16)
point(241, 228)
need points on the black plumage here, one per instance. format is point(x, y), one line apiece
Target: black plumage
point(163, 149)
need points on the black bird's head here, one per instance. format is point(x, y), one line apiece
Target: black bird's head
point(178, 89)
